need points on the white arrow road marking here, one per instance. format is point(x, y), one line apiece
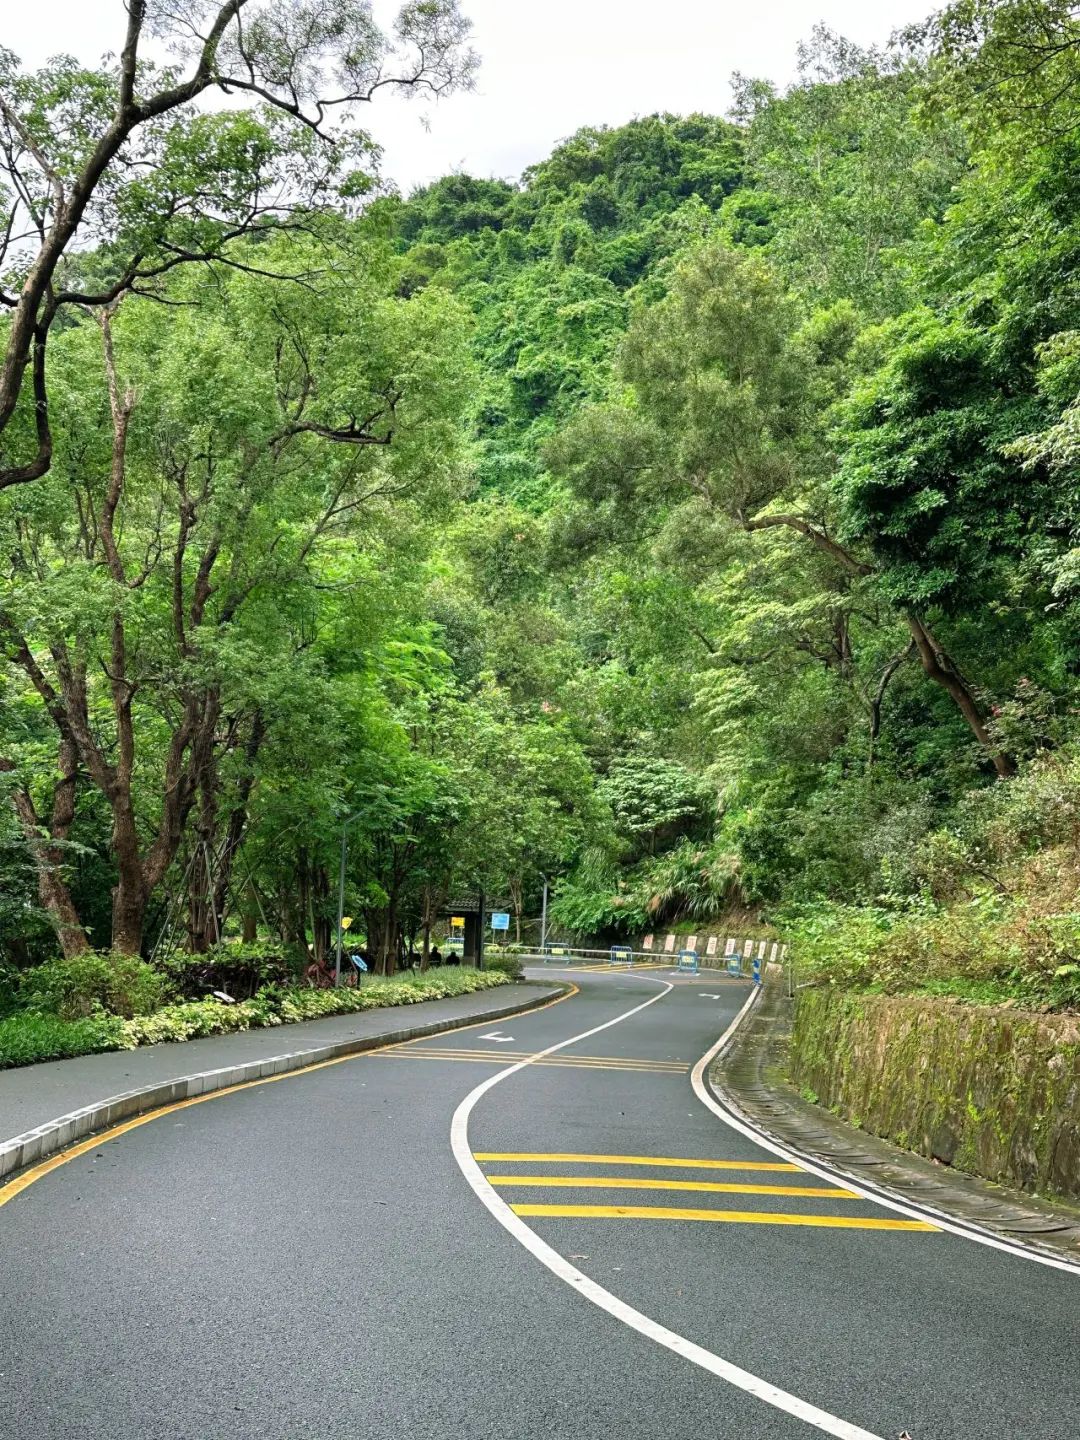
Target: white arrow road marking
point(710, 996)
point(499, 1039)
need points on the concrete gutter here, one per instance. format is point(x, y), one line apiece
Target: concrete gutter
point(55, 1135)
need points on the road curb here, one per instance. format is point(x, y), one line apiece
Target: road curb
point(39, 1144)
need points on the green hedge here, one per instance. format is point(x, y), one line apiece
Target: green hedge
point(28, 1037)
point(88, 984)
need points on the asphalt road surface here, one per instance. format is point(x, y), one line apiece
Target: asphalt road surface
point(581, 1251)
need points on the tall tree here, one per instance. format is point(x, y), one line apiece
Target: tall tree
point(120, 161)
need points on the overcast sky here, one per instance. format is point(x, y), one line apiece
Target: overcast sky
point(547, 68)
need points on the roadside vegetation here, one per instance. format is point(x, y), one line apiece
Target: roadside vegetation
point(693, 523)
point(65, 1010)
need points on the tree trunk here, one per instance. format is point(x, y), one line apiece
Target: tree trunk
point(234, 832)
point(375, 921)
point(940, 668)
point(320, 921)
point(250, 917)
point(53, 892)
point(129, 910)
point(390, 938)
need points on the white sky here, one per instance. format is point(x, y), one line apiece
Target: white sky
point(546, 68)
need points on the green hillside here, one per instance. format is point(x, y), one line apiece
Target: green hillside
point(693, 522)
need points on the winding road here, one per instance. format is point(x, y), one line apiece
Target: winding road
point(544, 1227)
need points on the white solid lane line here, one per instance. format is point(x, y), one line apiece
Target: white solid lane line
point(652, 1329)
point(872, 1193)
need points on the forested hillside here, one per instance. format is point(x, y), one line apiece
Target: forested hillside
point(693, 522)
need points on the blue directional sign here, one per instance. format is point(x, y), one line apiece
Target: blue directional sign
point(734, 965)
point(755, 970)
point(500, 920)
point(688, 960)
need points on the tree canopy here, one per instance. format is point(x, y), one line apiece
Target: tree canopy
point(692, 522)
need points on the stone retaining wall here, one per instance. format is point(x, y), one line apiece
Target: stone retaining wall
point(992, 1091)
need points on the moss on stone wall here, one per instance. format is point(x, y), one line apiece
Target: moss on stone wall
point(992, 1091)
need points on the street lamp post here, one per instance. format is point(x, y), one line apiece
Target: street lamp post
point(543, 918)
point(341, 893)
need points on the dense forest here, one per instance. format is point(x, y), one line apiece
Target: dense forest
point(693, 522)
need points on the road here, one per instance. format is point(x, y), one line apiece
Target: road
point(428, 1242)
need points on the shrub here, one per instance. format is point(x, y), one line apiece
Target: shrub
point(32, 1036)
point(193, 1020)
point(237, 968)
point(120, 984)
point(990, 949)
point(9, 988)
point(27, 1038)
point(274, 1005)
point(508, 965)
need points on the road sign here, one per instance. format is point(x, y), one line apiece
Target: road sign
point(346, 921)
point(755, 970)
point(734, 965)
point(622, 955)
point(688, 961)
point(457, 922)
point(500, 920)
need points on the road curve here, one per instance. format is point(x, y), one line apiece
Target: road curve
point(309, 1258)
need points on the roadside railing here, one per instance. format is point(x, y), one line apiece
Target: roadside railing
point(736, 956)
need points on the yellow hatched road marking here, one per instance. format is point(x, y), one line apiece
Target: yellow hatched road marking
point(568, 1159)
point(712, 1187)
point(416, 1049)
point(493, 1057)
point(738, 1217)
point(453, 1052)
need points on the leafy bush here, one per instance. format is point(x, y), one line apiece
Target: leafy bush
point(195, 1019)
point(237, 968)
point(690, 881)
point(9, 988)
point(990, 949)
point(31, 1036)
point(274, 1005)
point(27, 1038)
point(508, 965)
point(70, 989)
point(438, 984)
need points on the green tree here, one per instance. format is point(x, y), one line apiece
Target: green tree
point(121, 158)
